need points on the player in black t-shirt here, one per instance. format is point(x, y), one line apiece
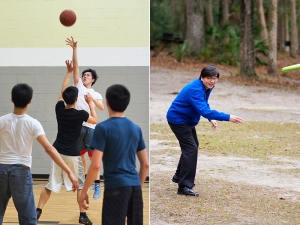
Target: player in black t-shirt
point(69, 121)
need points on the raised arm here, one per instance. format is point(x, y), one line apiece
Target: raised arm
point(73, 44)
point(66, 81)
point(52, 152)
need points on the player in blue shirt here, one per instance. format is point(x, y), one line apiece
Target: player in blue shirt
point(117, 141)
point(183, 115)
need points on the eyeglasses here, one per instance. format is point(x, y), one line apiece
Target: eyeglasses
point(86, 75)
point(212, 78)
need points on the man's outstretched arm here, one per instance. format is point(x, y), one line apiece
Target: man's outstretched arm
point(76, 75)
point(66, 81)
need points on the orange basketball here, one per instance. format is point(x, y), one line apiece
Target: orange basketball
point(67, 18)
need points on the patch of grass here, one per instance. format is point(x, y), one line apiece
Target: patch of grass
point(295, 172)
point(221, 202)
point(252, 139)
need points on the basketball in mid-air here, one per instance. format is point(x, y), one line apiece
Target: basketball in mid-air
point(67, 18)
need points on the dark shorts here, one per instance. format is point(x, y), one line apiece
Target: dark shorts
point(122, 202)
point(85, 138)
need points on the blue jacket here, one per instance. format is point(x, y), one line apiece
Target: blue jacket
point(191, 103)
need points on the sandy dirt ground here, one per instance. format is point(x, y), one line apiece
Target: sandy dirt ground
point(252, 103)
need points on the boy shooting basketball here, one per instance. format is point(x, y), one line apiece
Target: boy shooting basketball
point(84, 85)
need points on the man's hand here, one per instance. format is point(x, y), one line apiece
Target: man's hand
point(74, 181)
point(214, 124)
point(88, 98)
point(70, 67)
point(235, 119)
point(83, 200)
point(71, 42)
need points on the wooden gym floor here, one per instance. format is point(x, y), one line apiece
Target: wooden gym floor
point(63, 209)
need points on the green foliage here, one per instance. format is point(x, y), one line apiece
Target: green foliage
point(222, 45)
point(166, 19)
point(160, 19)
point(180, 50)
point(260, 48)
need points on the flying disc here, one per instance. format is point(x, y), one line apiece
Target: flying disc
point(292, 67)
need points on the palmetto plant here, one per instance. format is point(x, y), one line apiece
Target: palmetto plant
point(180, 50)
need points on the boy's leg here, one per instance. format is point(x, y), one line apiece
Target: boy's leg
point(21, 187)
point(4, 191)
point(97, 187)
point(44, 197)
point(115, 205)
point(82, 154)
point(54, 184)
point(87, 140)
point(83, 218)
point(135, 207)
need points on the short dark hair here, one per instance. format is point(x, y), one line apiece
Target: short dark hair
point(209, 71)
point(70, 94)
point(21, 95)
point(118, 97)
point(93, 72)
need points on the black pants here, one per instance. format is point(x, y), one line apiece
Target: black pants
point(122, 202)
point(188, 141)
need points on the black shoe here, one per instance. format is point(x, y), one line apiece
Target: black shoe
point(175, 179)
point(85, 220)
point(38, 214)
point(187, 191)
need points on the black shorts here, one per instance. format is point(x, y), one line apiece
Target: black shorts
point(122, 202)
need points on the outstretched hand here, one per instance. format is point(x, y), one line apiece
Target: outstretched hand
point(70, 67)
point(235, 119)
point(71, 42)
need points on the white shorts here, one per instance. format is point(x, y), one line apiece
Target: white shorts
point(58, 177)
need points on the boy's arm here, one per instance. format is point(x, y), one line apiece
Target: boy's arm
point(52, 152)
point(93, 118)
point(99, 104)
point(76, 75)
point(144, 164)
point(92, 173)
point(66, 81)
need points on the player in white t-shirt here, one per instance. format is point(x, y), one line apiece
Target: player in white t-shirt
point(17, 131)
point(84, 85)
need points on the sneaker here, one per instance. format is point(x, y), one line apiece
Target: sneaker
point(85, 220)
point(38, 214)
point(97, 191)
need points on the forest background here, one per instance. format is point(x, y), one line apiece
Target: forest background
point(246, 174)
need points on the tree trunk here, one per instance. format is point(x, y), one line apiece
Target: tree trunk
point(225, 13)
point(294, 30)
point(247, 39)
point(280, 34)
point(286, 32)
point(195, 28)
point(272, 58)
point(208, 13)
point(262, 21)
